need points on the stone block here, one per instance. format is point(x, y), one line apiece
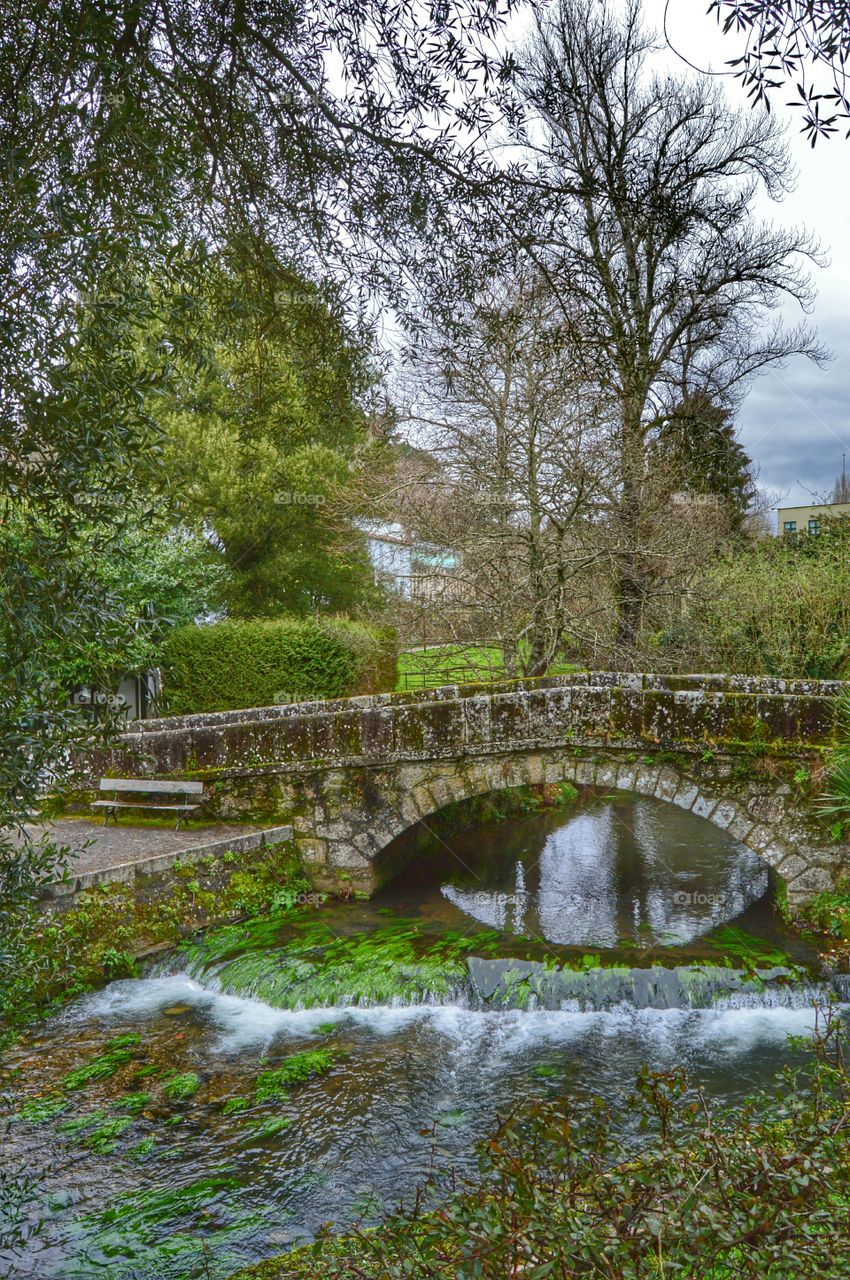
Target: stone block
point(625, 714)
point(591, 714)
point(686, 795)
point(790, 866)
point(759, 838)
point(659, 716)
point(535, 771)
point(476, 722)
point(313, 851)
point(813, 880)
point(646, 779)
point(537, 727)
point(559, 714)
point(626, 776)
point(376, 735)
point(442, 727)
point(704, 805)
point(345, 855)
point(585, 773)
point(740, 827)
point(724, 814)
point(559, 770)
point(606, 775)
point(509, 721)
point(668, 784)
point(816, 719)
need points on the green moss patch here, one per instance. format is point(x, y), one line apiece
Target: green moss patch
point(317, 967)
point(119, 1051)
point(269, 1128)
point(275, 1085)
point(104, 1139)
point(40, 1110)
point(180, 1087)
point(234, 1105)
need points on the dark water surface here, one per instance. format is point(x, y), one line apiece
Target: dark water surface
point(408, 1085)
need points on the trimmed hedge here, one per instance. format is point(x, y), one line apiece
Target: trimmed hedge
point(261, 662)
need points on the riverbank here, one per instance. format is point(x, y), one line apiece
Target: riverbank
point(69, 944)
point(303, 1066)
point(708, 1191)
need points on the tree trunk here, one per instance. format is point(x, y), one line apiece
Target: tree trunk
point(631, 568)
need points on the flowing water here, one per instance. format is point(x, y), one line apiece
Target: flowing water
point(315, 1067)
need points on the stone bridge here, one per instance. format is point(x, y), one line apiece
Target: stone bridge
point(351, 775)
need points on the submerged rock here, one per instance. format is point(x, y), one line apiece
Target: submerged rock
point(525, 984)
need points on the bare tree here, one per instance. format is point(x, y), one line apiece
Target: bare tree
point(841, 488)
point(522, 438)
point(659, 253)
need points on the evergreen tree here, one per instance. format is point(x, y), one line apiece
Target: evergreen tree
point(841, 489)
point(698, 442)
point(260, 443)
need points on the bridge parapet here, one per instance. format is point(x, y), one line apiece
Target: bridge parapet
point(699, 713)
point(634, 681)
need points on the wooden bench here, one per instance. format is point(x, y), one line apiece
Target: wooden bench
point(142, 787)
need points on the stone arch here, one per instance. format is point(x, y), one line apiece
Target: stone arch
point(346, 840)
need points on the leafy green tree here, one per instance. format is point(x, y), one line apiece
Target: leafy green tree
point(135, 137)
point(260, 444)
point(778, 607)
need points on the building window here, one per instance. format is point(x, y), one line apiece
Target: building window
point(814, 525)
point(789, 526)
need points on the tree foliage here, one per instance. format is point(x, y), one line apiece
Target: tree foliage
point(778, 607)
point(698, 445)
point(259, 444)
point(138, 139)
point(801, 44)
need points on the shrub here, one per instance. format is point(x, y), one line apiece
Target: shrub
point(258, 662)
point(779, 607)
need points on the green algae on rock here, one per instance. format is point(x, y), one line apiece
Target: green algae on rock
point(181, 1086)
point(317, 967)
point(118, 1053)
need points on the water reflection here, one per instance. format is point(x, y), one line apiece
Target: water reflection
point(623, 868)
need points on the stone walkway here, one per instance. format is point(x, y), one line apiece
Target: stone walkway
point(117, 846)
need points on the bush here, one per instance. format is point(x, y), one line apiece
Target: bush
point(259, 662)
point(781, 607)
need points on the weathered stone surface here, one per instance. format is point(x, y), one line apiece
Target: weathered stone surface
point(813, 880)
point(351, 774)
point(668, 784)
point(686, 795)
point(724, 814)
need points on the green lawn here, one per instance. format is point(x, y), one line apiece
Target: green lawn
point(457, 664)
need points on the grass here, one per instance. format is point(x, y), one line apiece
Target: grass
point(457, 664)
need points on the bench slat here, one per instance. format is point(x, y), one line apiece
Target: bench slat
point(153, 786)
point(138, 804)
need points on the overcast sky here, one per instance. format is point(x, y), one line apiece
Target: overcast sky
point(795, 422)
